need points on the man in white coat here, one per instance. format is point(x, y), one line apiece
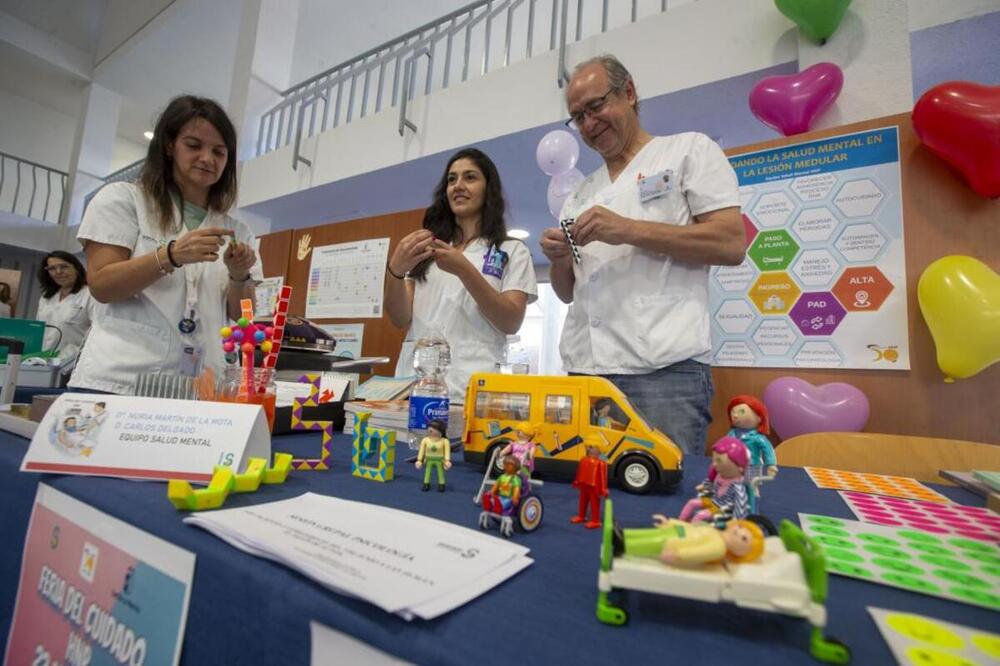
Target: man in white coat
point(648, 224)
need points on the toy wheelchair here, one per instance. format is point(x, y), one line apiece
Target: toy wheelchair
point(525, 515)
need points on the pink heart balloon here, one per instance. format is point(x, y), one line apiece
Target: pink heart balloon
point(791, 103)
point(795, 407)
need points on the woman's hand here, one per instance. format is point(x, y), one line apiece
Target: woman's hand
point(411, 250)
point(199, 245)
point(239, 259)
point(449, 258)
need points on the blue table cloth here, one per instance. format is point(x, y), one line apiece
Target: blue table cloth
point(246, 610)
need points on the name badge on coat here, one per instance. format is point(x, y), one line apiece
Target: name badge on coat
point(494, 262)
point(656, 186)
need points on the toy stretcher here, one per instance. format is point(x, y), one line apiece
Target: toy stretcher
point(789, 578)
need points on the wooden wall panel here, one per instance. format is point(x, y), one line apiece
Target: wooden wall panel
point(381, 338)
point(941, 216)
point(275, 253)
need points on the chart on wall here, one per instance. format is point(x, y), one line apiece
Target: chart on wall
point(346, 280)
point(823, 284)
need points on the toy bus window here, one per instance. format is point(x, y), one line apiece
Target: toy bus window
point(503, 406)
point(606, 413)
point(559, 409)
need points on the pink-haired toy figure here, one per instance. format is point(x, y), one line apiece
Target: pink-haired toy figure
point(724, 488)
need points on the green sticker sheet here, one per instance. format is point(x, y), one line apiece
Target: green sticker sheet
point(918, 640)
point(939, 565)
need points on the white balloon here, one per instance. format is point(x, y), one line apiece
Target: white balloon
point(561, 186)
point(557, 152)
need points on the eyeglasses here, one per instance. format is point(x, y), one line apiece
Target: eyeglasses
point(590, 110)
point(58, 268)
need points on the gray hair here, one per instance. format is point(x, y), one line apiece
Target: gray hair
point(618, 75)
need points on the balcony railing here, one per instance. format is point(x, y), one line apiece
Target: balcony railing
point(471, 41)
point(127, 174)
point(31, 189)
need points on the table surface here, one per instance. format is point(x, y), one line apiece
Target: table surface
point(246, 610)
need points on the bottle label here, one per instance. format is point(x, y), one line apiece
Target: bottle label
point(427, 408)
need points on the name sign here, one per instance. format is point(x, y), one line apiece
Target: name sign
point(146, 438)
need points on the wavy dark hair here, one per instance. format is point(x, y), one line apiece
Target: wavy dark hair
point(440, 220)
point(157, 177)
point(49, 286)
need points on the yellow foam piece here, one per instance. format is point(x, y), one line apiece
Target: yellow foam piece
point(279, 472)
point(250, 480)
point(185, 498)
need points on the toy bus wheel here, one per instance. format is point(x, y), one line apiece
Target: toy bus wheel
point(636, 475)
point(530, 514)
point(764, 523)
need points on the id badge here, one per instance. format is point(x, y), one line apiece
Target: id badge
point(191, 360)
point(494, 262)
point(656, 186)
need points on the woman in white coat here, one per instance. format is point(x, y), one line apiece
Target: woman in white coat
point(460, 276)
point(66, 306)
point(165, 257)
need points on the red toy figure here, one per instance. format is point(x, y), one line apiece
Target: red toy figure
point(592, 482)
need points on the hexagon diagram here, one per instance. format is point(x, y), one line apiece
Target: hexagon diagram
point(774, 293)
point(775, 337)
point(773, 250)
point(817, 313)
point(861, 242)
point(818, 354)
point(735, 278)
point(814, 225)
point(735, 353)
point(735, 316)
point(746, 195)
point(862, 289)
point(773, 210)
point(859, 198)
point(816, 268)
point(750, 229)
point(814, 188)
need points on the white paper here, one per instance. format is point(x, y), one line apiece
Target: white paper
point(335, 648)
point(146, 438)
point(266, 296)
point(349, 338)
point(346, 280)
point(402, 562)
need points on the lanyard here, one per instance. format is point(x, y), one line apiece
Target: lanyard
point(189, 318)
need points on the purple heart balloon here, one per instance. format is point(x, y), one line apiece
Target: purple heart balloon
point(791, 103)
point(795, 407)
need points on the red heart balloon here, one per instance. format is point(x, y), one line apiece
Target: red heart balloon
point(960, 122)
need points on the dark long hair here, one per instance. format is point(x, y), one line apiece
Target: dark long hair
point(440, 220)
point(49, 286)
point(157, 177)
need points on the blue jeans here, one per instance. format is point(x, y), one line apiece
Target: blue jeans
point(676, 399)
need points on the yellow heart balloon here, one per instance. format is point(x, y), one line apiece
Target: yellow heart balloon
point(960, 299)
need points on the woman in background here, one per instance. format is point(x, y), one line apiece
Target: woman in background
point(461, 276)
point(66, 305)
point(5, 300)
point(165, 257)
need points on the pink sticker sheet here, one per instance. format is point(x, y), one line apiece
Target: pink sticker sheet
point(967, 521)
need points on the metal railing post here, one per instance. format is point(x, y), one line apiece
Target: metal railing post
point(408, 69)
point(563, 75)
point(296, 157)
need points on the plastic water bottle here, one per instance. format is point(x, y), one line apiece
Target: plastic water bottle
point(429, 397)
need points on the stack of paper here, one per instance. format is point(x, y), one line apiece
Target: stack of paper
point(395, 415)
point(378, 387)
point(402, 562)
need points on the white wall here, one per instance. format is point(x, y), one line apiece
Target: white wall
point(126, 152)
point(750, 35)
point(35, 132)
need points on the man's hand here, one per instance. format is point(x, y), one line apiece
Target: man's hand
point(600, 224)
point(555, 246)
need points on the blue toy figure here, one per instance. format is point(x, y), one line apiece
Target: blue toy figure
point(749, 420)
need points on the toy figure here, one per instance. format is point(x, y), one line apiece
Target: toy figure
point(435, 452)
point(677, 543)
point(523, 448)
point(749, 421)
point(592, 482)
point(505, 494)
point(723, 490)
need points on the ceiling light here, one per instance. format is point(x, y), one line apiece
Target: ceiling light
point(148, 135)
point(520, 234)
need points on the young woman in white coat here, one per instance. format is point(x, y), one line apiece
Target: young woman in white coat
point(460, 276)
point(66, 306)
point(165, 257)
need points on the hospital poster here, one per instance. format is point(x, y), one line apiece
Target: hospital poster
point(823, 284)
point(346, 280)
point(95, 590)
point(266, 296)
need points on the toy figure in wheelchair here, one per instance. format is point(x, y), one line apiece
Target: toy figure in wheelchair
point(509, 499)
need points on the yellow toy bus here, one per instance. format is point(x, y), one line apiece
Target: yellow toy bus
point(571, 413)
